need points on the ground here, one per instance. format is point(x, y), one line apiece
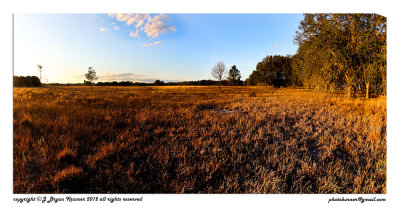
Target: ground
point(175, 139)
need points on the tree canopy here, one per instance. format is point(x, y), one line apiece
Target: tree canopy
point(26, 81)
point(91, 76)
point(234, 75)
point(338, 51)
point(272, 70)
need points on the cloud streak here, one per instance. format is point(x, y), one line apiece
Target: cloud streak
point(124, 77)
point(152, 25)
point(153, 43)
point(277, 45)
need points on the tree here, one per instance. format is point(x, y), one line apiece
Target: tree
point(28, 81)
point(91, 76)
point(342, 51)
point(219, 72)
point(234, 75)
point(159, 83)
point(40, 68)
point(272, 70)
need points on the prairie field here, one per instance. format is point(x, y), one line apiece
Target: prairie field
point(197, 139)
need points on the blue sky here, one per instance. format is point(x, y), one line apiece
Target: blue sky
point(145, 47)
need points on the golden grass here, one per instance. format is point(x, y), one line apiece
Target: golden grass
point(197, 139)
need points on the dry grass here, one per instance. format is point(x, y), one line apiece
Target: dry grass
point(197, 140)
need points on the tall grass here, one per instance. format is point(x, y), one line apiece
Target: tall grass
point(197, 140)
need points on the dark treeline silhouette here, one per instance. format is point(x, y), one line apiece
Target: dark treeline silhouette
point(64, 84)
point(122, 83)
point(208, 83)
point(336, 51)
point(162, 83)
point(26, 81)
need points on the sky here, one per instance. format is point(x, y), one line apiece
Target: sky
point(146, 47)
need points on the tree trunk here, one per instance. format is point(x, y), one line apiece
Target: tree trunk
point(91, 85)
point(351, 92)
point(350, 88)
point(367, 90)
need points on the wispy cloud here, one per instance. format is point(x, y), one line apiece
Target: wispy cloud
point(151, 25)
point(214, 58)
point(124, 77)
point(277, 45)
point(153, 43)
point(103, 29)
point(134, 34)
point(116, 27)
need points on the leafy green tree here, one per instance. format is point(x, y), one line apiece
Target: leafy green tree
point(234, 75)
point(91, 76)
point(272, 70)
point(339, 51)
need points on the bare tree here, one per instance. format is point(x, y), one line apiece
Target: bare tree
point(219, 72)
point(40, 68)
point(91, 76)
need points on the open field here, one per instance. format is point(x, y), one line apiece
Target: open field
point(197, 140)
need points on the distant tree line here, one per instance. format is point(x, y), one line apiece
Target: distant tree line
point(26, 81)
point(209, 83)
point(162, 83)
point(336, 51)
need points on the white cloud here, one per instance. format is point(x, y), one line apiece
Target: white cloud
point(116, 27)
point(103, 29)
point(153, 43)
point(151, 25)
point(155, 26)
point(277, 45)
point(134, 34)
point(122, 17)
point(139, 23)
point(124, 77)
point(164, 17)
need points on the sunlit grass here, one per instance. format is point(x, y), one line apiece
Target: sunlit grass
point(180, 139)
